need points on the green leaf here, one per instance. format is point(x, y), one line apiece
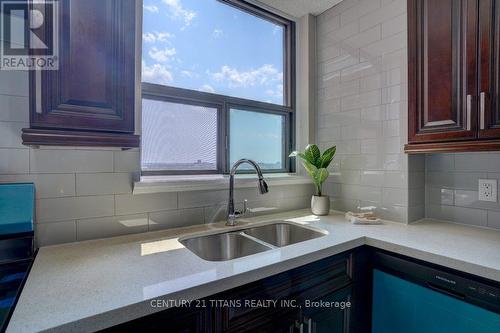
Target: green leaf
point(312, 154)
point(293, 154)
point(310, 168)
point(330, 151)
point(321, 175)
point(327, 157)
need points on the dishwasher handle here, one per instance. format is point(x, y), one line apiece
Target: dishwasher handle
point(445, 291)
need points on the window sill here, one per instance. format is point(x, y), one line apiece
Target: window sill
point(160, 184)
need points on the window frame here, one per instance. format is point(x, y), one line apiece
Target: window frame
point(225, 103)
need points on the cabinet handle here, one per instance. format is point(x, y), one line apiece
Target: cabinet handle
point(300, 326)
point(469, 112)
point(38, 92)
point(482, 110)
point(309, 325)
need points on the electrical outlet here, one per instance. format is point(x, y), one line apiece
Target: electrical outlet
point(488, 190)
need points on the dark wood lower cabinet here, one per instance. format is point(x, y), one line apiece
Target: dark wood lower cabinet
point(332, 314)
point(321, 297)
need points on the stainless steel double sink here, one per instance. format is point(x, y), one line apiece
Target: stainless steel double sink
point(236, 244)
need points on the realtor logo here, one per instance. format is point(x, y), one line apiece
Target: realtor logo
point(28, 35)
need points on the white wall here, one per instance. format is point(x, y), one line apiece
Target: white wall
point(362, 108)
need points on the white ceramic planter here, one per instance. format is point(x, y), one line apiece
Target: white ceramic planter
point(320, 205)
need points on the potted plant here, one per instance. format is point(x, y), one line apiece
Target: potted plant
point(316, 165)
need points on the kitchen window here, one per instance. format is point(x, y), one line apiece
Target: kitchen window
point(217, 86)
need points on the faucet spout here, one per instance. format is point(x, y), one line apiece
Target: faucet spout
point(232, 214)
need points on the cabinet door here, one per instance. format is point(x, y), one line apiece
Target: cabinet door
point(306, 282)
point(489, 69)
point(93, 90)
point(442, 37)
point(323, 318)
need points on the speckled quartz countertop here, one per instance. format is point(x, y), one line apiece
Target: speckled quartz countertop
point(96, 284)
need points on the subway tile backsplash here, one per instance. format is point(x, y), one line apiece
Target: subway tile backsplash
point(362, 106)
point(86, 193)
point(451, 184)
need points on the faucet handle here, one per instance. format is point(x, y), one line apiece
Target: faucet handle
point(245, 209)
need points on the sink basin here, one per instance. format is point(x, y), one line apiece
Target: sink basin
point(282, 234)
point(225, 246)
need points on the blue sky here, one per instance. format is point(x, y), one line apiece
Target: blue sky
point(209, 46)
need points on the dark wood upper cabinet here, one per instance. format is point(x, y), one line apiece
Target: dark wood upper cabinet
point(442, 70)
point(89, 100)
point(453, 52)
point(489, 71)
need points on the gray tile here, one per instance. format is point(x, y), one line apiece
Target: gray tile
point(142, 203)
point(440, 196)
point(343, 204)
point(494, 219)
point(467, 198)
point(396, 179)
point(345, 177)
point(71, 208)
point(275, 192)
point(393, 213)
point(14, 161)
point(383, 15)
point(394, 197)
point(462, 215)
point(416, 180)
point(475, 162)
point(47, 185)
point(14, 108)
point(360, 9)
point(176, 218)
point(416, 197)
point(54, 185)
point(215, 213)
point(467, 180)
point(111, 226)
point(372, 178)
point(370, 193)
point(14, 83)
point(416, 163)
point(68, 161)
point(127, 161)
point(440, 162)
point(103, 183)
point(11, 134)
point(416, 213)
point(193, 199)
point(55, 233)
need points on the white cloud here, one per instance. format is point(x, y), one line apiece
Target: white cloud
point(217, 33)
point(263, 75)
point(207, 88)
point(277, 92)
point(189, 73)
point(151, 8)
point(156, 74)
point(155, 36)
point(177, 11)
point(164, 55)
